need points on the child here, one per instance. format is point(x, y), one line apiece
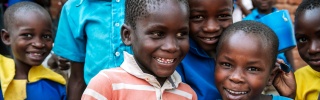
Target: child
point(208, 18)
point(245, 62)
point(307, 28)
point(265, 7)
point(157, 30)
point(28, 32)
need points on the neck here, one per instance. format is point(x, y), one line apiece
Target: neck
point(265, 11)
point(161, 80)
point(21, 70)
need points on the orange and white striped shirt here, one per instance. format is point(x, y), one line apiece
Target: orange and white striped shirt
point(128, 82)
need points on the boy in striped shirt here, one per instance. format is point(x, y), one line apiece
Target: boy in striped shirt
point(157, 31)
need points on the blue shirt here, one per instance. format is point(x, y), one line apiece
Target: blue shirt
point(255, 15)
point(197, 70)
point(274, 97)
point(11, 2)
point(89, 31)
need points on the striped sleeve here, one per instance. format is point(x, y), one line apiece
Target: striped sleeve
point(99, 88)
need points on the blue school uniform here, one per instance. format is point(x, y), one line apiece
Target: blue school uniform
point(42, 83)
point(89, 31)
point(197, 70)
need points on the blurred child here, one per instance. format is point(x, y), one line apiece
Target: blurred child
point(262, 8)
point(28, 32)
point(245, 62)
point(307, 28)
point(157, 30)
point(208, 18)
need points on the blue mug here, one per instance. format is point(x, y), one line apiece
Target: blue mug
point(280, 22)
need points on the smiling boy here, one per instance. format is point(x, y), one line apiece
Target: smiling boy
point(157, 31)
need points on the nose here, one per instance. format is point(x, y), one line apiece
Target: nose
point(236, 77)
point(314, 47)
point(38, 43)
point(211, 26)
point(170, 45)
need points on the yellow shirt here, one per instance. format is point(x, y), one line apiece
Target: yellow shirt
point(308, 84)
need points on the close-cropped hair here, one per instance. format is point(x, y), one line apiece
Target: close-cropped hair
point(306, 5)
point(139, 9)
point(25, 6)
point(258, 30)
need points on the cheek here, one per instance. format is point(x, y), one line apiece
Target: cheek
point(194, 28)
point(220, 75)
point(226, 24)
point(303, 49)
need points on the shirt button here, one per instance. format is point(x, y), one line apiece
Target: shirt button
point(117, 24)
point(117, 54)
point(117, 0)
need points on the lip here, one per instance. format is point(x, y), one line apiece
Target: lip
point(314, 62)
point(234, 96)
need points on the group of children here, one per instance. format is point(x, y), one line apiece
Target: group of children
point(215, 58)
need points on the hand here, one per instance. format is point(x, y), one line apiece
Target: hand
point(284, 83)
point(58, 62)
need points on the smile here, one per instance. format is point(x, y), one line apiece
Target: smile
point(165, 60)
point(236, 92)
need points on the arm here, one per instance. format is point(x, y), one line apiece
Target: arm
point(76, 84)
point(244, 10)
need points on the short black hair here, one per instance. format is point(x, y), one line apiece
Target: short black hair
point(138, 9)
point(25, 6)
point(259, 30)
point(306, 5)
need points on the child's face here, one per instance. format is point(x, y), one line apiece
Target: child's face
point(264, 5)
point(243, 67)
point(160, 41)
point(30, 38)
point(307, 28)
point(208, 18)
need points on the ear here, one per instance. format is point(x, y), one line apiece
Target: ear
point(126, 33)
point(273, 74)
point(5, 37)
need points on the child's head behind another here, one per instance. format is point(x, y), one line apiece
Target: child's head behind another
point(28, 32)
point(157, 31)
point(307, 28)
point(246, 55)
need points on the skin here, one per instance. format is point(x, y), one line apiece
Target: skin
point(30, 39)
point(160, 41)
point(241, 67)
point(208, 18)
point(264, 6)
point(307, 28)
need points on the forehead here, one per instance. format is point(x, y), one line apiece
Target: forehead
point(211, 5)
point(308, 20)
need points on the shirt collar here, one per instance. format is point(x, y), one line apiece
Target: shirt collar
point(194, 48)
point(257, 15)
point(130, 65)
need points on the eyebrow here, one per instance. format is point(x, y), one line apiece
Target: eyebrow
point(248, 63)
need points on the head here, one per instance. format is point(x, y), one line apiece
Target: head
point(264, 6)
point(208, 18)
point(307, 28)
point(157, 31)
point(27, 30)
point(245, 62)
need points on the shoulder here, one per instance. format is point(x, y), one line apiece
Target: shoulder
point(302, 71)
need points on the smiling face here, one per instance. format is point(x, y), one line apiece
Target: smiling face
point(160, 41)
point(208, 18)
point(264, 6)
point(30, 38)
point(243, 67)
point(307, 27)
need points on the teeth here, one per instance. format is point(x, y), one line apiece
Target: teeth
point(208, 39)
point(166, 61)
point(36, 54)
point(235, 92)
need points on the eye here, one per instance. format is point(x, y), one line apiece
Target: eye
point(302, 40)
point(197, 18)
point(47, 36)
point(253, 69)
point(27, 35)
point(224, 17)
point(182, 34)
point(226, 65)
point(157, 34)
